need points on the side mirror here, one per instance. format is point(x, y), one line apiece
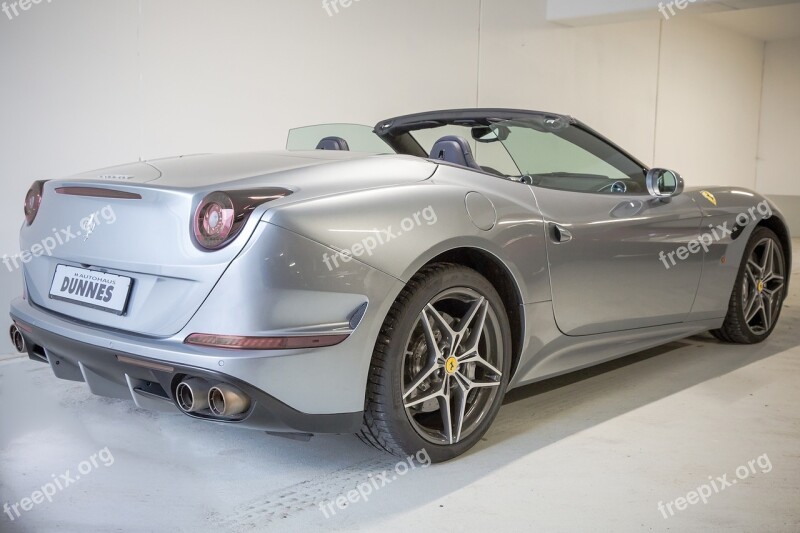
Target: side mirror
point(663, 183)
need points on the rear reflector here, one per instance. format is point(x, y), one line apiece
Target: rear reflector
point(144, 364)
point(232, 342)
point(23, 326)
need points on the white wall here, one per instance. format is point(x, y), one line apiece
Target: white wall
point(682, 94)
point(709, 97)
point(238, 77)
point(90, 83)
point(778, 154)
point(779, 148)
point(603, 75)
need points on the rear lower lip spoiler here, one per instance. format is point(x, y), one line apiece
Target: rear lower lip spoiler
point(98, 192)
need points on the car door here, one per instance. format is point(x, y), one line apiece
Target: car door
point(611, 246)
point(606, 262)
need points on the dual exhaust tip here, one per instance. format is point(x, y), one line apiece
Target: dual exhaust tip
point(17, 339)
point(223, 400)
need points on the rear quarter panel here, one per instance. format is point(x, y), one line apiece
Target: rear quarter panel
point(397, 230)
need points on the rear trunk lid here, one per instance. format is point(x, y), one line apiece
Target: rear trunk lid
point(135, 221)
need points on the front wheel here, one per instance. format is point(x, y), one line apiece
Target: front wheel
point(758, 294)
point(440, 367)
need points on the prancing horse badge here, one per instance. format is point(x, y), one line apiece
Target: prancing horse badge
point(710, 197)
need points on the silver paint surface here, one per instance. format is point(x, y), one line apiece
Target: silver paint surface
point(601, 295)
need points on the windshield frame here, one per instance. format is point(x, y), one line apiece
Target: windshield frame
point(396, 132)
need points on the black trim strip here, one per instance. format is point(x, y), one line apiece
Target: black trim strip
point(98, 192)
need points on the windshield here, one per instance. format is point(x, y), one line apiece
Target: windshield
point(553, 146)
point(542, 150)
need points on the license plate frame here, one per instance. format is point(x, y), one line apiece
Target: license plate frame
point(116, 304)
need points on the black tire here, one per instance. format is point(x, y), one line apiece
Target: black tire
point(754, 288)
point(394, 426)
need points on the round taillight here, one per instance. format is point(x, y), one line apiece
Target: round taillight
point(213, 221)
point(32, 201)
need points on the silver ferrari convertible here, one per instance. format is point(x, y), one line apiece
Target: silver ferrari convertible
point(391, 281)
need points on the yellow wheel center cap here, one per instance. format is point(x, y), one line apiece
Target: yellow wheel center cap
point(760, 285)
point(451, 365)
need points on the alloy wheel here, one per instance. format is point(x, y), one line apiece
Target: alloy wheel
point(451, 375)
point(763, 286)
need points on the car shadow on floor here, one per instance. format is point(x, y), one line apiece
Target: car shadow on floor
point(651, 375)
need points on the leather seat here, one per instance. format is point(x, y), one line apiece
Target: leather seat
point(333, 143)
point(456, 150)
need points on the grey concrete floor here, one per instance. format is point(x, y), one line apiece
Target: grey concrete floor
point(596, 451)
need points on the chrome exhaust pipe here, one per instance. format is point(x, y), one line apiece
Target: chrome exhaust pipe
point(227, 401)
point(17, 339)
point(192, 395)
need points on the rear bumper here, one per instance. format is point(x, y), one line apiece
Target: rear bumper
point(278, 286)
point(151, 383)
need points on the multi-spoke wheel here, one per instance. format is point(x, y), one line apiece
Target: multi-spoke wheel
point(448, 384)
point(441, 365)
point(759, 291)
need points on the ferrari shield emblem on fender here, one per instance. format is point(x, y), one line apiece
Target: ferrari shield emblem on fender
point(710, 197)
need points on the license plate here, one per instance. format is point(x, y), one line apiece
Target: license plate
point(90, 288)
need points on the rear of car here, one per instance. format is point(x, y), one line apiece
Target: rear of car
point(163, 282)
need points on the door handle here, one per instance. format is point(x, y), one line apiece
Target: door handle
point(559, 234)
